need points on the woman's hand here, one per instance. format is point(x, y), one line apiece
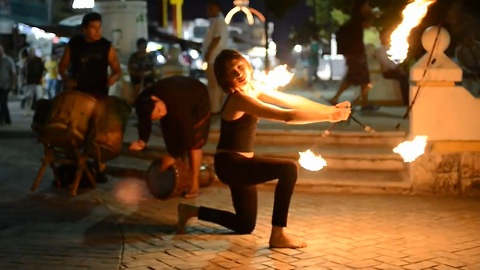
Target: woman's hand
point(344, 104)
point(339, 114)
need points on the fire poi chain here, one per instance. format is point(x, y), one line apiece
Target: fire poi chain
point(280, 76)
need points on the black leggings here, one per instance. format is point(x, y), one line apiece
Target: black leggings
point(242, 175)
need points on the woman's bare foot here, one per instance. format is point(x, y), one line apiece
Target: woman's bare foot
point(279, 239)
point(185, 213)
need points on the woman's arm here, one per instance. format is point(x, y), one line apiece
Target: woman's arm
point(288, 100)
point(297, 116)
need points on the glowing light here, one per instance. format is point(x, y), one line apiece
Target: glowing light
point(39, 33)
point(236, 9)
point(79, 4)
point(308, 160)
point(242, 5)
point(153, 46)
point(277, 77)
point(298, 48)
point(413, 14)
point(411, 150)
point(194, 54)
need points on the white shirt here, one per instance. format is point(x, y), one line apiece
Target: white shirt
point(218, 28)
point(382, 57)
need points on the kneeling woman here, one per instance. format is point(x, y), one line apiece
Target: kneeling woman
point(234, 159)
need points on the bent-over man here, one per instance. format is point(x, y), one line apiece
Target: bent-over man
point(182, 105)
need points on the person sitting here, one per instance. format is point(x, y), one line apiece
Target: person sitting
point(173, 66)
point(390, 69)
point(182, 105)
point(141, 67)
point(234, 160)
point(468, 57)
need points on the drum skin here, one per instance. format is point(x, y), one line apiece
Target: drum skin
point(68, 120)
point(170, 183)
point(108, 126)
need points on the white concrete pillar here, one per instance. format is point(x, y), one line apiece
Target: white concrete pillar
point(448, 115)
point(442, 110)
point(123, 23)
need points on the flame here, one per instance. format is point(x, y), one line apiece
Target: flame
point(412, 15)
point(277, 77)
point(308, 160)
point(410, 150)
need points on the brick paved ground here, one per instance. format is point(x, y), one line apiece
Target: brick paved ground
point(48, 229)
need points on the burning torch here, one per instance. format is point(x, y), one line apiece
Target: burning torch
point(413, 13)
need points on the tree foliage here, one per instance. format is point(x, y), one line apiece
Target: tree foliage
point(279, 7)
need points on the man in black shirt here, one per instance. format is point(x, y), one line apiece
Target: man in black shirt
point(183, 105)
point(85, 62)
point(89, 56)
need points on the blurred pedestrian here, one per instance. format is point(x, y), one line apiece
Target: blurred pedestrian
point(7, 83)
point(34, 72)
point(350, 44)
point(141, 66)
point(216, 39)
point(51, 65)
point(314, 51)
point(390, 69)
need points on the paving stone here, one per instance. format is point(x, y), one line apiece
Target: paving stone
point(49, 229)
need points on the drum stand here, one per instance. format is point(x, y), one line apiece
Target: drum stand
point(53, 154)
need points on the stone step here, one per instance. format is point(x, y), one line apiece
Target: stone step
point(326, 180)
point(350, 157)
point(309, 137)
point(395, 181)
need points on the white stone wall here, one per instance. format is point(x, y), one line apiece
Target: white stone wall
point(447, 173)
point(445, 114)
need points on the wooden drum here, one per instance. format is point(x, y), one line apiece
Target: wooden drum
point(68, 120)
point(170, 183)
point(108, 126)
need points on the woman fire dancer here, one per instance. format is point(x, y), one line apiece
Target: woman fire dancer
point(234, 159)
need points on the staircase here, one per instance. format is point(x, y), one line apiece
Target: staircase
point(355, 160)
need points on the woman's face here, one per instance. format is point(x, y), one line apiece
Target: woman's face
point(240, 72)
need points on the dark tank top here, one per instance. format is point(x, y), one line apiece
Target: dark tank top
point(238, 135)
point(89, 64)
